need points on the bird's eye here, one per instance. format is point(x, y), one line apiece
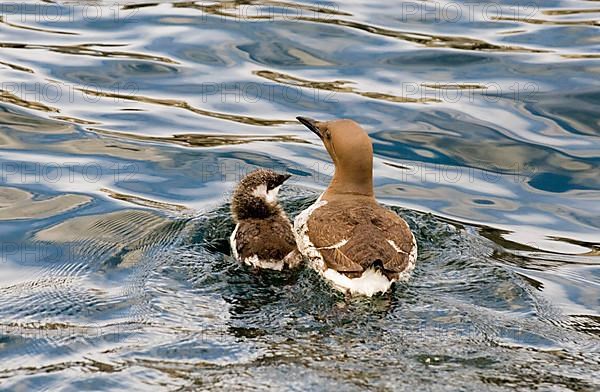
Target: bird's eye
point(272, 184)
point(327, 134)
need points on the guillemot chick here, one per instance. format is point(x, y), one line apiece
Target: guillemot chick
point(351, 240)
point(263, 234)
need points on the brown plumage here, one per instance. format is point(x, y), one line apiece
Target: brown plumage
point(269, 239)
point(367, 227)
point(263, 235)
point(350, 239)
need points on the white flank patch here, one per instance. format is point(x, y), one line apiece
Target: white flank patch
point(301, 235)
point(412, 260)
point(369, 283)
point(232, 242)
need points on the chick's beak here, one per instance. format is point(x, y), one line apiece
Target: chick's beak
point(281, 178)
point(310, 124)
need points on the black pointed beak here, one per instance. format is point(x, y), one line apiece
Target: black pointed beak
point(281, 178)
point(310, 124)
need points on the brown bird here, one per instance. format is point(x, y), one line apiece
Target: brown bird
point(351, 240)
point(263, 234)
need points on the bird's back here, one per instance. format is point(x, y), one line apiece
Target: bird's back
point(267, 239)
point(354, 235)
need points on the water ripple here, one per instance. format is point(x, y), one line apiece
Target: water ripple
point(125, 127)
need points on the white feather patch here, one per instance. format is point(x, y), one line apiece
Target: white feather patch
point(335, 246)
point(260, 191)
point(271, 197)
point(396, 248)
point(301, 235)
point(412, 261)
point(369, 283)
point(254, 261)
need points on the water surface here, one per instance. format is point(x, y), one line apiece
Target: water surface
point(125, 125)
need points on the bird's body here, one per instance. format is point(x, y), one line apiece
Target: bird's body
point(263, 235)
point(351, 240)
point(356, 244)
point(264, 243)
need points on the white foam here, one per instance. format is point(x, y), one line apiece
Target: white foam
point(232, 242)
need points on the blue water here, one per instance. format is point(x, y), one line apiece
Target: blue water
point(125, 125)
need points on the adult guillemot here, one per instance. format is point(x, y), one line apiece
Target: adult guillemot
point(352, 241)
point(263, 234)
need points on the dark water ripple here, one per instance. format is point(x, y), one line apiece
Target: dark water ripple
point(124, 126)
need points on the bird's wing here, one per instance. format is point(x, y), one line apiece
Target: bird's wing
point(398, 235)
point(269, 239)
point(329, 228)
point(339, 261)
point(247, 239)
point(352, 236)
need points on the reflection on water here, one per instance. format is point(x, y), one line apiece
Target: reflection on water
point(18, 204)
point(124, 126)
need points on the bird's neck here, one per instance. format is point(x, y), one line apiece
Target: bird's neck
point(350, 184)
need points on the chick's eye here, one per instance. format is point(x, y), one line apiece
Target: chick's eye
point(327, 134)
